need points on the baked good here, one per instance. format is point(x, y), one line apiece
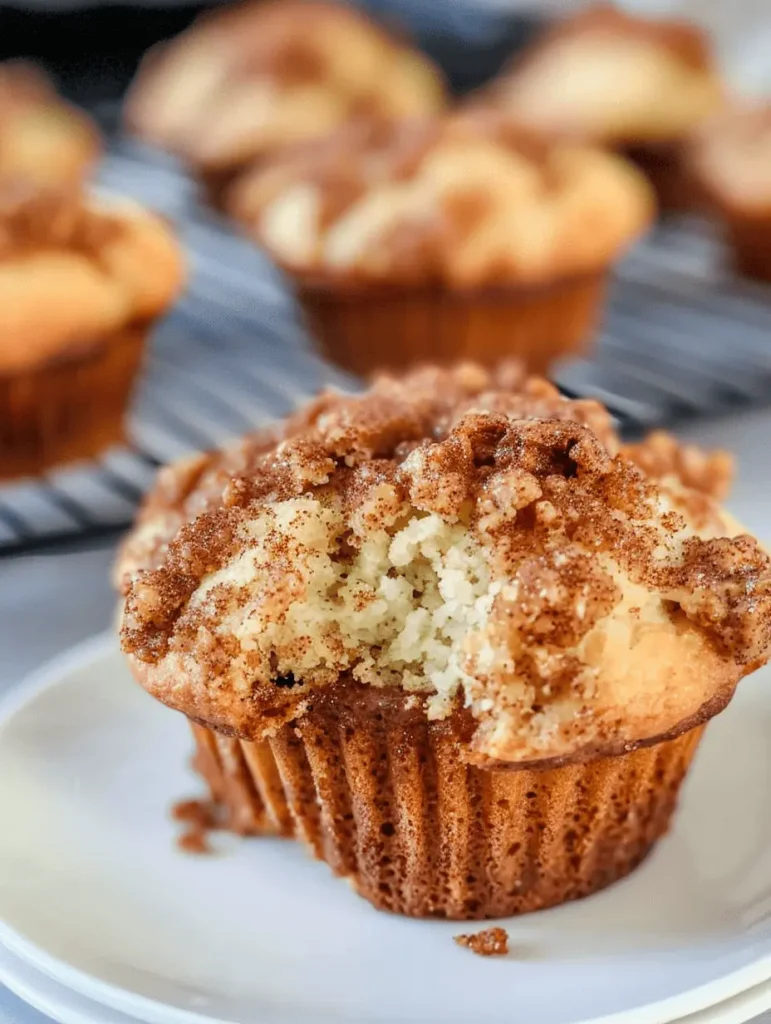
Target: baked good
point(243, 83)
point(471, 642)
point(637, 85)
point(81, 283)
point(460, 238)
point(43, 139)
point(730, 160)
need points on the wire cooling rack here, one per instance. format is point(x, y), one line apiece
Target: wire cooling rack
point(681, 337)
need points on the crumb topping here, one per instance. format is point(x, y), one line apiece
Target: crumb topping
point(73, 270)
point(42, 138)
point(474, 545)
point(245, 82)
point(611, 76)
point(731, 156)
point(660, 455)
point(31, 218)
point(466, 201)
point(489, 942)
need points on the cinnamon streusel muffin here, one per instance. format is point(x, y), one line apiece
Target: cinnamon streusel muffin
point(458, 238)
point(43, 139)
point(452, 630)
point(81, 283)
point(730, 159)
point(243, 83)
point(637, 85)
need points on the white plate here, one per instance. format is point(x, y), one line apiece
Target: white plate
point(94, 893)
point(68, 1007)
point(55, 1000)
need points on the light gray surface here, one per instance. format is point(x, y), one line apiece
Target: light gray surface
point(50, 602)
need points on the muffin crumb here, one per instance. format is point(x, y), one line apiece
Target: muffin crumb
point(201, 817)
point(490, 942)
point(194, 841)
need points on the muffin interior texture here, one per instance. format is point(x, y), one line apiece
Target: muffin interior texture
point(466, 201)
point(476, 540)
point(612, 77)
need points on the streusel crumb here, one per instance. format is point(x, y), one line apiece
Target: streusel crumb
point(490, 942)
point(473, 543)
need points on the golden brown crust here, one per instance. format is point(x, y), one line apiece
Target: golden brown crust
point(73, 270)
point(611, 76)
point(254, 79)
point(467, 201)
point(578, 604)
point(43, 139)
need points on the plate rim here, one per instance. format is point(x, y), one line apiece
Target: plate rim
point(33, 987)
point(55, 672)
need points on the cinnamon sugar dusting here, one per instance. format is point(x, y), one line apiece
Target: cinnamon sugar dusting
point(489, 942)
point(470, 537)
point(468, 201)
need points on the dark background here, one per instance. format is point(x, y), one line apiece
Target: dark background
point(93, 52)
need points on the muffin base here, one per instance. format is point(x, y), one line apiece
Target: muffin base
point(68, 408)
point(664, 166)
point(750, 239)
point(384, 797)
point(370, 328)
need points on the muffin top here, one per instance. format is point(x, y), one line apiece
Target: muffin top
point(251, 80)
point(43, 139)
point(74, 269)
point(612, 77)
point(476, 540)
point(731, 157)
point(464, 201)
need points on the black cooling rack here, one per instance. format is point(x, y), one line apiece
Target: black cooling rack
point(681, 337)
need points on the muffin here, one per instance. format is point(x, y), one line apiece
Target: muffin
point(43, 139)
point(460, 635)
point(730, 159)
point(633, 84)
point(244, 83)
point(81, 283)
point(461, 238)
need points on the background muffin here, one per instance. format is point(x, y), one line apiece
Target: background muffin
point(244, 83)
point(472, 638)
point(459, 238)
point(634, 84)
point(43, 139)
point(81, 282)
point(730, 158)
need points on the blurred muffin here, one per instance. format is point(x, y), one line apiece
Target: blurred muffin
point(243, 83)
point(43, 139)
point(81, 283)
point(730, 158)
point(445, 240)
point(465, 639)
point(634, 84)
